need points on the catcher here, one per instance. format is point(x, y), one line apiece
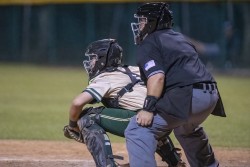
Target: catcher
point(120, 89)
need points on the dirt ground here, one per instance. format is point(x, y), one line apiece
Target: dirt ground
point(22, 153)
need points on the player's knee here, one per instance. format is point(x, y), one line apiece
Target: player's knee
point(126, 133)
point(130, 132)
point(84, 122)
point(131, 128)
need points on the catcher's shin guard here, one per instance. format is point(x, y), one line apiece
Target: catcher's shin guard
point(97, 142)
point(93, 112)
point(168, 153)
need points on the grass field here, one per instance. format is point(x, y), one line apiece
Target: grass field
point(34, 103)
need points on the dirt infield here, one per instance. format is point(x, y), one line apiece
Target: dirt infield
point(22, 153)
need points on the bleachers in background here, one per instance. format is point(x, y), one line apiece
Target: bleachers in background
point(58, 31)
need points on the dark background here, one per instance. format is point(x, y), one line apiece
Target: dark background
point(58, 33)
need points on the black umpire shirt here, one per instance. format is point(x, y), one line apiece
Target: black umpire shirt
point(168, 52)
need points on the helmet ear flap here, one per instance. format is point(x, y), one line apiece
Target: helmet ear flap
point(114, 56)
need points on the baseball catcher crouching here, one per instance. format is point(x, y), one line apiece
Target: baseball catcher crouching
point(120, 89)
point(94, 123)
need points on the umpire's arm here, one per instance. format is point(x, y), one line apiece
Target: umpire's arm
point(155, 85)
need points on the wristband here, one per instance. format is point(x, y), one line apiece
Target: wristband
point(72, 124)
point(149, 103)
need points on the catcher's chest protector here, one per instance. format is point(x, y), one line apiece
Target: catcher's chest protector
point(114, 102)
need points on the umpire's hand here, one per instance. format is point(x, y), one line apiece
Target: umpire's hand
point(144, 118)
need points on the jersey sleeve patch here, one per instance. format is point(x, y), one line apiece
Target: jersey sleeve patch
point(149, 65)
point(94, 94)
point(155, 72)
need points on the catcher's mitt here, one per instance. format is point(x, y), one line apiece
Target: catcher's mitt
point(72, 134)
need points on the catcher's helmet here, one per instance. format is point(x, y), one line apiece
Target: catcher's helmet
point(103, 55)
point(151, 17)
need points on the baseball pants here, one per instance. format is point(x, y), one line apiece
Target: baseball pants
point(115, 121)
point(141, 141)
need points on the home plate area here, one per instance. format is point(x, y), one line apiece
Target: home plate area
point(31, 153)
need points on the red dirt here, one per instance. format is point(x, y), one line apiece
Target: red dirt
point(23, 153)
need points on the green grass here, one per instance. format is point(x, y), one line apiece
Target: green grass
point(34, 104)
point(34, 100)
point(234, 130)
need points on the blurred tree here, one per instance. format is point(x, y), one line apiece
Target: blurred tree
point(246, 40)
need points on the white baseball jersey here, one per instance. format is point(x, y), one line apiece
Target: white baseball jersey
point(108, 84)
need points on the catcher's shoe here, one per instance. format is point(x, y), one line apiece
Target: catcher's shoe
point(181, 164)
point(120, 158)
point(124, 165)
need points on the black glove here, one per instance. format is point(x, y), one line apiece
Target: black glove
point(72, 134)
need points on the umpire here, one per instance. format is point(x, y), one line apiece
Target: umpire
point(181, 93)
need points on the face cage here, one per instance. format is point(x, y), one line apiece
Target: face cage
point(141, 21)
point(90, 64)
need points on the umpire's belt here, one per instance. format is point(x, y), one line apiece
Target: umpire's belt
point(205, 86)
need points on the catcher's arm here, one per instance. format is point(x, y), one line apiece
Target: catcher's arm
point(76, 107)
point(71, 131)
